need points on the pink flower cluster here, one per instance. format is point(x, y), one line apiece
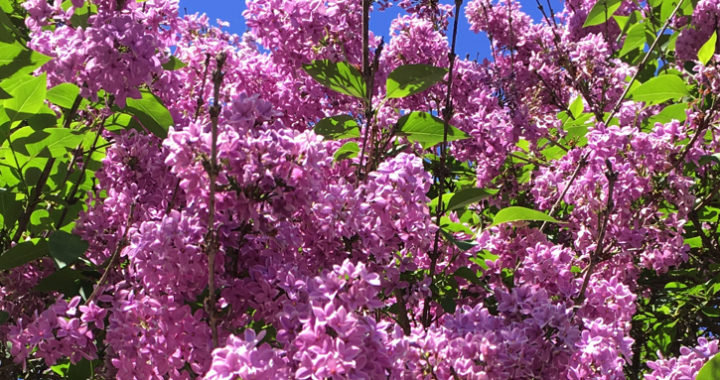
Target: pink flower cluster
point(324, 267)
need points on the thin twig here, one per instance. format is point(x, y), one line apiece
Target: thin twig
point(114, 257)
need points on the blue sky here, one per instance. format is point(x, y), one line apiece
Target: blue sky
point(469, 43)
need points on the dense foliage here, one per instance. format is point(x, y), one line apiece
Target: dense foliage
point(310, 201)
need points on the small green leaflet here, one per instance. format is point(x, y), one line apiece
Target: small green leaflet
point(151, 113)
point(338, 76)
point(23, 253)
point(348, 150)
point(711, 369)
point(707, 51)
point(517, 213)
point(173, 64)
point(467, 197)
point(659, 89)
point(601, 12)
point(411, 79)
point(337, 127)
point(66, 248)
point(427, 129)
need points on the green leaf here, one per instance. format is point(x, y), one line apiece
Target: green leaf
point(53, 141)
point(23, 253)
point(10, 208)
point(337, 127)
point(338, 76)
point(711, 369)
point(707, 51)
point(17, 63)
point(66, 248)
point(4, 316)
point(635, 39)
point(407, 80)
point(9, 52)
point(66, 281)
point(601, 12)
point(660, 88)
point(427, 129)
point(517, 213)
point(468, 274)
point(81, 370)
point(26, 99)
point(63, 95)
point(348, 150)
point(466, 197)
point(670, 113)
point(576, 107)
point(694, 242)
point(151, 113)
point(621, 21)
point(174, 64)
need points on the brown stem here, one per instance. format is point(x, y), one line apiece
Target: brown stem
point(114, 257)
point(447, 115)
point(367, 73)
point(616, 108)
point(34, 200)
point(595, 256)
point(553, 210)
point(212, 244)
point(202, 88)
point(70, 199)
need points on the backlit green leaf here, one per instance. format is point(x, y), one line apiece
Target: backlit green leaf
point(151, 113)
point(427, 129)
point(601, 12)
point(338, 76)
point(707, 51)
point(517, 214)
point(660, 88)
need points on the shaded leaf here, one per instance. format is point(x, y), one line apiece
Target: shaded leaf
point(23, 253)
point(411, 79)
point(66, 248)
point(469, 196)
point(337, 127)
